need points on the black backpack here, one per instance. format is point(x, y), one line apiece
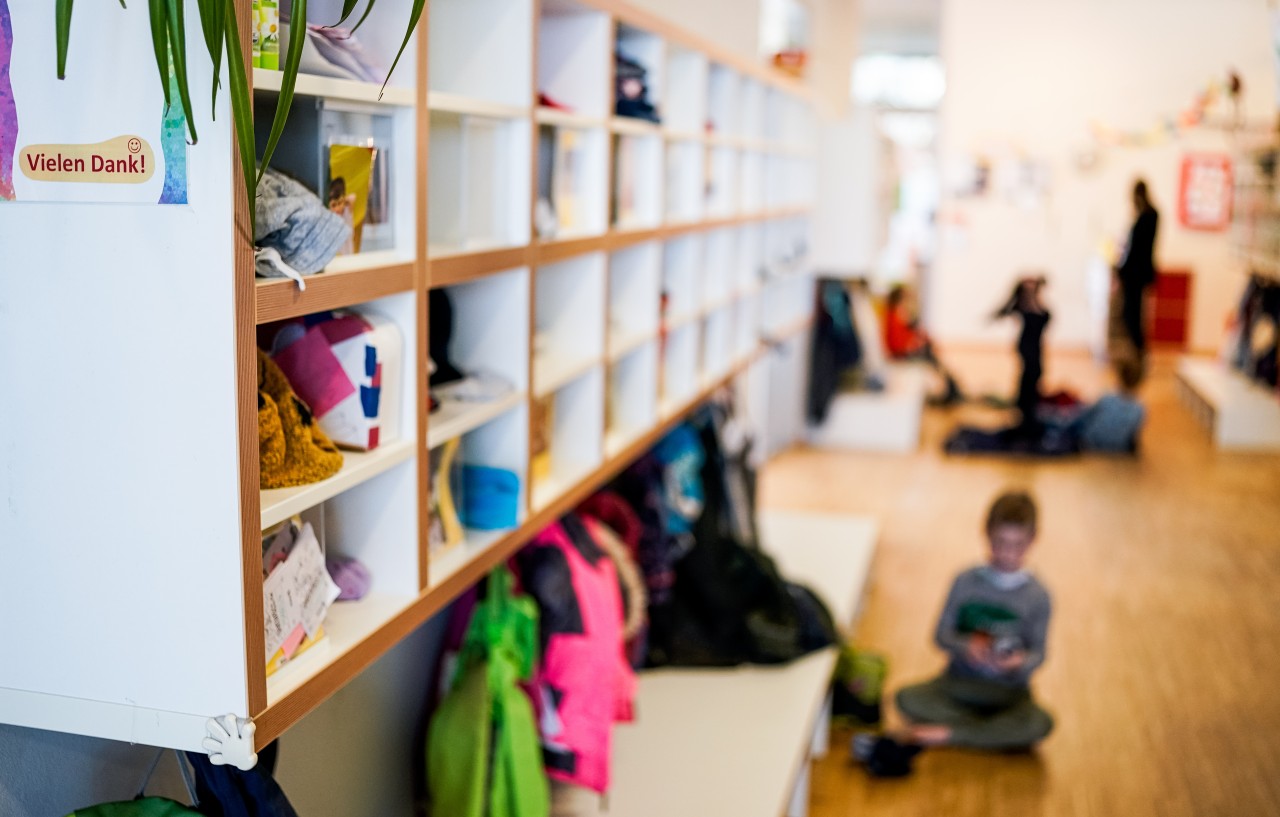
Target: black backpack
point(730, 604)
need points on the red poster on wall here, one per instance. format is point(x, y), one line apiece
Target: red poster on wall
point(1205, 191)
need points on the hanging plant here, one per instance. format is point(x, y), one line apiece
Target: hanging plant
point(219, 24)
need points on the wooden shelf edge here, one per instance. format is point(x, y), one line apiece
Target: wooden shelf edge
point(556, 250)
point(274, 720)
point(457, 268)
point(460, 268)
point(279, 298)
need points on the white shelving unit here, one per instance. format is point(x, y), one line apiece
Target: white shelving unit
point(648, 298)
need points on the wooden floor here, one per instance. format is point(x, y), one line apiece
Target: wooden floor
point(1164, 649)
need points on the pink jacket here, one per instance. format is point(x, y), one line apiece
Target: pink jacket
point(584, 683)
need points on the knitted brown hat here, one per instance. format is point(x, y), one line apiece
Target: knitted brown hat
point(292, 450)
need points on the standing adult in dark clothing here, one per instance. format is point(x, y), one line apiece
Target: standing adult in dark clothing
point(1138, 270)
point(1025, 302)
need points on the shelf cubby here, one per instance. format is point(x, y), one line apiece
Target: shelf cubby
point(685, 112)
point(502, 442)
point(482, 50)
point(679, 368)
point(724, 102)
point(686, 181)
point(573, 42)
point(637, 181)
point(682, 269)
point(717, 344)
point(719, 266)
point(569, 308)
point(751, 119)
point(787, 303)
point(361, 80)
point(490, 335)
point(479, 167)
point(572, 178)
point(746, 323)
point(752, 184)
point(387, 231)
point(398, 443)
point(724, 175)
point(635, 287)
point(750, 259)
point(632, 400)
point(572, 422)
point(649, 51)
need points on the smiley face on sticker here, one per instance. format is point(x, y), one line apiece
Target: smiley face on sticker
point(135, 145)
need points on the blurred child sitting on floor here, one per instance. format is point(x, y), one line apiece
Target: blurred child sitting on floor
point(904, 340)
point(993, 629)
point(1114, 421)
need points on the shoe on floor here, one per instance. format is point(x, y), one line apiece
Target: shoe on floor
point(884, 756)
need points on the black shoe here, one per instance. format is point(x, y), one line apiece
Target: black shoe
point(883, 756)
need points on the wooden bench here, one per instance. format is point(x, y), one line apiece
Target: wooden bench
point(1239, 413)
point(737, 742)
point(887, 421)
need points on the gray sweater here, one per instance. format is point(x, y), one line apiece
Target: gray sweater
point(1015, 618)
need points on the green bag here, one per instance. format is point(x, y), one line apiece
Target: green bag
point(142, 807)
point(483, 753)
point(858, 686)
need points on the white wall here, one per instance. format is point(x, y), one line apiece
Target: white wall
point(847, 224)
point(735, 25)
point(731, 24)
point(1030, 77)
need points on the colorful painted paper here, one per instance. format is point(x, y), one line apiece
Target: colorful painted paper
point(79, 139)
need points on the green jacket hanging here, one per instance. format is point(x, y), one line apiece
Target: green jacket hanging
point(483, 756)
point(142, 807)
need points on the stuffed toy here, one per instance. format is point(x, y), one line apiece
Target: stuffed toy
point(292, 450)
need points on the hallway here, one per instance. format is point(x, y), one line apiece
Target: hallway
point(1163, 649)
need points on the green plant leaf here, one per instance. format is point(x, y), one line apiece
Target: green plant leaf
point(348, 6)
point(211, 25)
point(414, 16)
point(62, 16)
point(160, 42)
point(363, 17)
point(178, 52)
point(241, 106)
point(288, 80)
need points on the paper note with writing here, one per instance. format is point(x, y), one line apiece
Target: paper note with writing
point(298, 592)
